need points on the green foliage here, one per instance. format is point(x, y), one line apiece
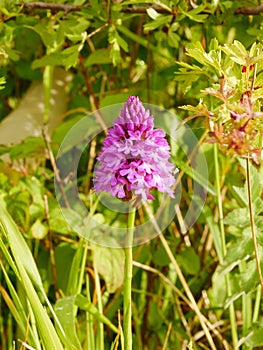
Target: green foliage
point(201, 60)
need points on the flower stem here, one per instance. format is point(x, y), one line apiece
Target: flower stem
point(127, 307)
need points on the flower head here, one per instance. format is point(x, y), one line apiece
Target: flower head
point(134, 156)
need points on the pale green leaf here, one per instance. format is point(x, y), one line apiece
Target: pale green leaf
point(110, 265)
point(152, 13)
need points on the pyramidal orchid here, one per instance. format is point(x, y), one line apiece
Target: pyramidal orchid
point(135, 157)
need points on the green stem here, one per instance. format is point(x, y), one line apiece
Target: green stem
point(127, 305)
point(47, 82)
point(256, 311)
point(223, 247)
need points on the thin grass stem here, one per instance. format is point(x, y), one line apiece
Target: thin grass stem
point(256, 311)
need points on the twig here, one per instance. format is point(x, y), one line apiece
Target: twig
point(93, 97)
point(257, 10)
point(167, 336)
point(31, 6)
point(143, 9)
point(54, 166)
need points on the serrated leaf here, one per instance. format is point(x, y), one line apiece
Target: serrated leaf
point(238, 217)
point(236, 253)
point(237, 52)
point(199, 54)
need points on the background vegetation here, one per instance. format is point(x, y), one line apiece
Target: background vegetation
point(199, 289)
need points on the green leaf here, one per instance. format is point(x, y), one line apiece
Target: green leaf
point(207, 59)
point(215, 232)
point(173, 39)
point(31, 147)
point(195, 14)
point(73, 278)
point(84, 304)
point(57, 222)
point(101, 56)
point(250, 279)
point(51, 39)
point(110, 265)
point(67, 58)
point(39, 230)
point(64, 258)
point(160, 257)
point(189, 260)
point(65, 310)
point(28, 273)
point(236, 253)
point(18, 203)
point(160, 21)
point(255, 338)
point(238, 217)
point(237, 53)
point(46, 329)
point(152, 13)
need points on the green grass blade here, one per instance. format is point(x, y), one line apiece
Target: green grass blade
point(19, 246)
point(17, 310)
point(65, 310)
point(28, 273)
point(46, 329)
